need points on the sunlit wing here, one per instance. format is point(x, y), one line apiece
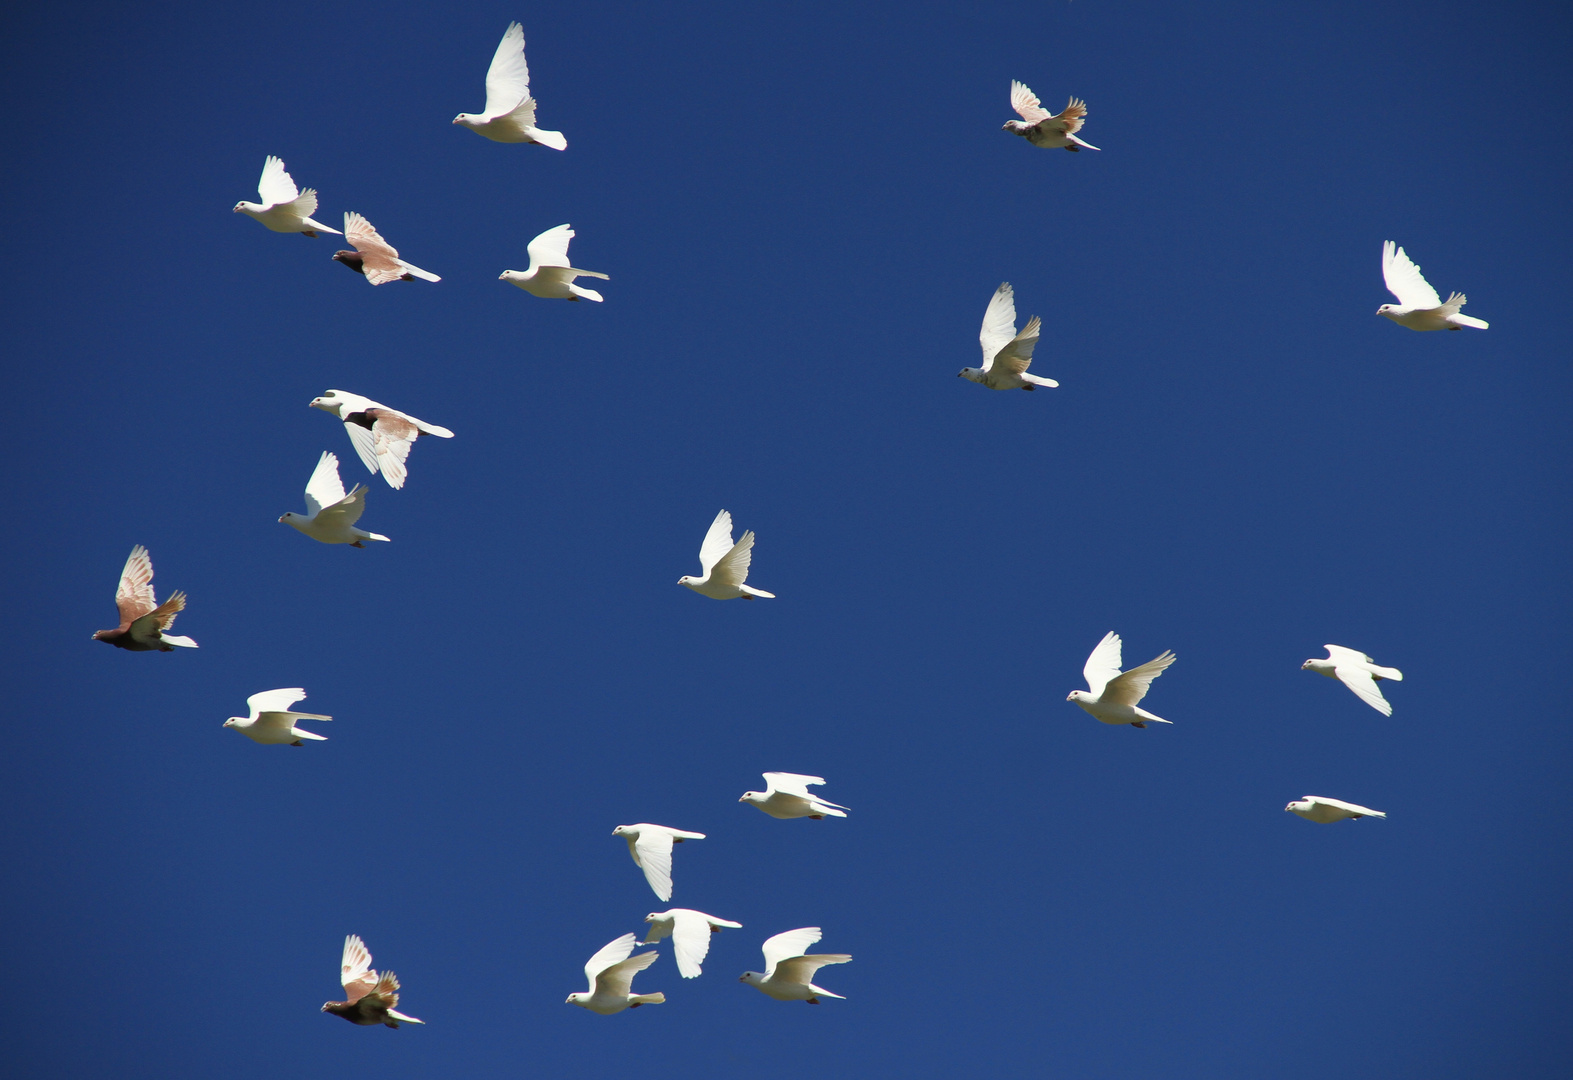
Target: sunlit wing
point(1130, 687)
point(1103, 664)
point(999, 323)
point(1404, 280)
point(276, 185)
point(134, 594)
point(508, 79)
point(324, 488)
point(785, 945)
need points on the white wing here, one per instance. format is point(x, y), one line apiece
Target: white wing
point(788, 944)
point(1404, 280)
point(1103, 664)
point(346, 511)
point(792, 783)
point(365, 444)
point(508, 79)
point(274, 700)
point(276, 185)
point(614, 952)
point(1364, 685)
point(618, 980)
point(718, 541)
point(1016, 356)
point(655, 859)
point(690, 941)
point(324, 488)
point(1131, 686)
point(1026, 103)
point(732, 568)
point(1353, 808)
point(355, 969)
point(1340, 655)
point(551, 247)
point(801, 969)
point(999, 323)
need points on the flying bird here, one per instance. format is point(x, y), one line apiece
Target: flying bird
point(271, 722)
point(786, 795)
point(369, 998)
point(725, 564)
point(374, 258)
point(1325, 811)
point(381, 436)
point(550, 275)
point(330, 514)
point(509, 116)
point(651, 848)
point(1041, 129)
point(611, 974)
point(690, 932)
point(1357, 671)
point(1006, 354)
point(143, 619)
point(1419, 307)
point(1112, 695)
point(788, 973)
point(284, 208)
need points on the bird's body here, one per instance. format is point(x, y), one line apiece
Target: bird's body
point(1357, 671)
point(369, 998)
point(1006, 354)
point(611, 973)
point(382, 437)
point(143, 619)
point(1041, 128)
point(284, 208)
point(690, 932)
point(374, 258)
point(1325, 811)
point(788, 974)
point(550, 275)
point(509, 116)
point(725, 564)
point(1419, 307)
point(1112, 695)
point(651, 849)
point(272, 723)
point(786, 796)
point(331, 515)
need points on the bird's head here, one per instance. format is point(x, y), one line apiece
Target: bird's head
point(1389, 310)
point(291, 518)
point(975, 374)
point(1307, 664)
point(244, 207)
point(653, 916)
point(625, 830)
point(233, 720)
point(510, 275)
point(101, 635)
point(1298, 804)
point(581, 997)
point(688, 580)
point(327, 1006)
point(1077, 695)
point(1015, 127)
point(467, 119)
point(753, 797)
point(751, 977)
point(328, 402)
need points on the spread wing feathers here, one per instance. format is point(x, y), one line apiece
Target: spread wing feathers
point(324, 488)
point(346, 511)
point(508, 79)
point(717, 542)
point(1026, 103)
point(1103, 664)
point(380, 259)
point(392, 437)
point(1016, 356)
point(1364, 685)
point(1353, 808)
point(792, 783)
point(306, 205)
point(149, 628)
point(355, 969)
point(365, 444)
point(800, 969)
point(690, 943)
point(386, 990)
point(276, 186)
point(999, 323)
point(1404, 280)
point(1340, 654)
point(618, 979)
point(788, 944)
point(551, 247)
point(612, 952)
point(1071, 119)
point(1130, 687)
point(732, 568)
point(134, 595)
point(274, 700)
point(653, 853)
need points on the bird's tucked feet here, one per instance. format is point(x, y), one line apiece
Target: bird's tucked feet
point(636, 1004)
point(813, 1001)
point(297, 742)
point(1074, 149)
point(1029, 386)
point(358, 544)
point(1137, 723)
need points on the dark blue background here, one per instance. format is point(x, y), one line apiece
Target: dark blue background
point(804, 210)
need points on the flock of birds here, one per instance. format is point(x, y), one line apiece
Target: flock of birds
point(383, 437)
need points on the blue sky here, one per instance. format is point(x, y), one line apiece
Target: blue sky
point(804, 211)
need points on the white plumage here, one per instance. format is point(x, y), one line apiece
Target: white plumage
point(690, 932)
point(1112, 695)
point(1357, 671)
point(724, 565)
point(1419, 307)
point(611, 973)
point(382, 437)
point(651, 848)
point(272, 723)
point(788, 974)
point(283, 208)
point(509, 116)
point(1325, 811)
point(1006, 354)
point(786, 795)
point(1040, 127)
point(550, 275)
point(331, 515)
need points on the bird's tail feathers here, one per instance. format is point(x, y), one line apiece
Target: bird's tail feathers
point(1038, 380)
point(1080, 142)
point(749, 590)
point(1387, 673)
point(554, 139)
point(584, 294)
point(1145, 715)
point(183, 642)
point(657, 998)
point(372, 536)
point(830, 809)
point(407, 1019)
point(822, 992)
point(1469, 320)
point(302, 733)
point(424, 275)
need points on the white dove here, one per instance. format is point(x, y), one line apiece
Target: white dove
point(330, 514)
point(1006, 354)
point(509, 116)
point(271, 722)
point(786, 795)
point(1325, 811)
point(611, 974)
point(1357, 671)
point(1111, 695)
point(374, 258)
point(550, 275)
point(283, 208)
point(788, 973)
point(725, 564)
point(651, 848)
point(1419, 307)
point(381, 436)
point(1042, 129)
point(690, 932)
